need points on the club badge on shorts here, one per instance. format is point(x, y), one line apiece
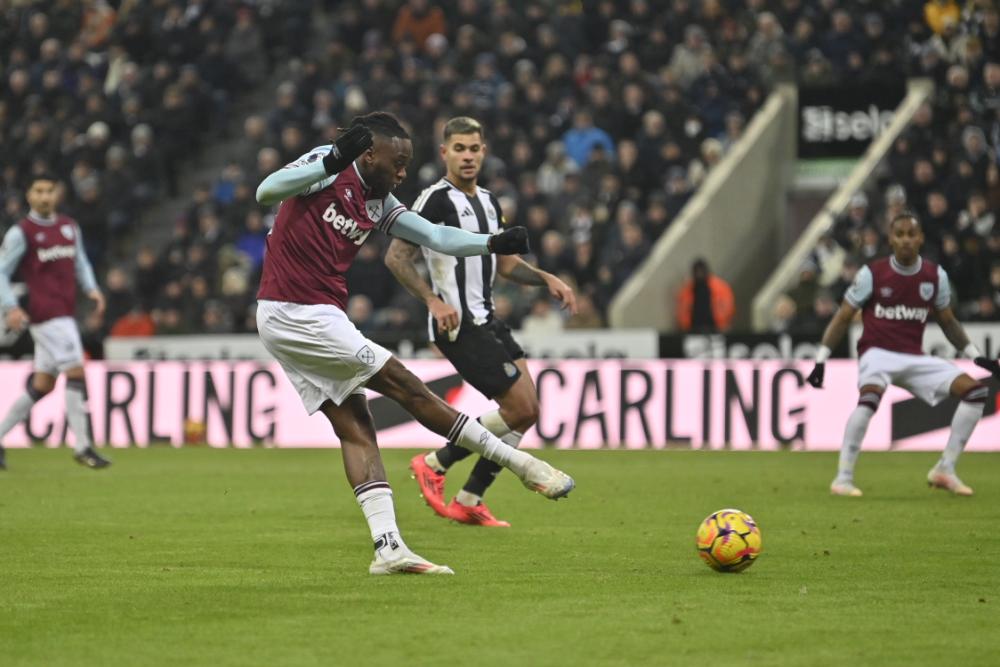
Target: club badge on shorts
point(366, 356)
point(510, 369)
point(926, 291)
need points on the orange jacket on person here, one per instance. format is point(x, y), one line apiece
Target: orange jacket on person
point(135, 323)
point(418, 28)
point(938, 13)
point(723, 303)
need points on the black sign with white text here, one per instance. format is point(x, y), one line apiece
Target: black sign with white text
point(841, 121)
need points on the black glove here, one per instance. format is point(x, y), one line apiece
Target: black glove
point(346, 149)
point(816, 377)
point(513, 241)
point(991, 365)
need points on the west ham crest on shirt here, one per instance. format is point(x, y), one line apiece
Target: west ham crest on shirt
point(67, 231)
point(926, 291)
point(374, 209)
point(886, 292)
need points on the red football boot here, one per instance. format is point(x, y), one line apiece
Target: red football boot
point(478, 515)
point(431, 484)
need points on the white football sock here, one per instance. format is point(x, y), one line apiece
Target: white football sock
point(17, 413)
point(494, 423)
point(78, 414)
point(470, 434)
point(854, 434)
point(375, 499)
point(967, 415)
point(468, 499)
point(513, 438)
point(432, 460)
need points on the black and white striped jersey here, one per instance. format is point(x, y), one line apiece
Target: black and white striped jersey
point(465, 283)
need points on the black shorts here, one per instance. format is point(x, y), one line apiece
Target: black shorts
point(484, 356)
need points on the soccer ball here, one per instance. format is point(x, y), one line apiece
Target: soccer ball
point(728, 540)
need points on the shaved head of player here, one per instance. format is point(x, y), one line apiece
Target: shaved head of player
point(906, 237)
point(383, 165)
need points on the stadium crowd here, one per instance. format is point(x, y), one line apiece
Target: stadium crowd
point(945, 167)
point(602, 118)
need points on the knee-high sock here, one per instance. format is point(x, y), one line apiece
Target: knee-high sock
point(451, 453)
point(78, 414)
point(470, 434)
point(375, 499)
point(854, 434)
point(20, 410)
point(967, 415)
point(484, 473)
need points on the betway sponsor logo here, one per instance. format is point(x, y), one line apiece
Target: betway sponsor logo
point(901, 312)
point(56, 252)
point(345, 225)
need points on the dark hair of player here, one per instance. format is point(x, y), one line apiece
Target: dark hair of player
point(905, 215)
point(381, 123)
point(462, 125)
point(41, 176)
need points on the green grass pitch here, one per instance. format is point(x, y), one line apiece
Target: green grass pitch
point(259, 557)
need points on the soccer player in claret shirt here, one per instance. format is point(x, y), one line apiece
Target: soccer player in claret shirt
point(46, 249)
point(333, 197)
point(896, 295)
point(462, 323)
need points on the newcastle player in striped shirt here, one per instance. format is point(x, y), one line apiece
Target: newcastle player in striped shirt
point(461, 320)
point(331, 200)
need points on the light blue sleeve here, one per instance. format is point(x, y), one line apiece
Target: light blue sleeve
point(453, 241)
point(943, 299)
point(84, 271)
point(11, 251)
point(861, 289)
point(301, 177)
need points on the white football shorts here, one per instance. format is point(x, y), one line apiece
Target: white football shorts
point(928, 378)
point(58, 346)
point(322, 352)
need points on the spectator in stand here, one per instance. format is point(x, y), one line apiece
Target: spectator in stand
point(941, 13)
point(584, 137)
point(543, 318)
point(689, 57)
point(416, 21)
point(705, 302)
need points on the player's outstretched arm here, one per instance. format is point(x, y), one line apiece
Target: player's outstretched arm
point(454, 241)
point(516, 269)
point(834, 333)
point(955, 332)
point(956, 335)
point(13, 248)
point(400, 258)
point(314, 167)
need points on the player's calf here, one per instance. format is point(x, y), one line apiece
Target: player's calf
point(967, 415)
point(854, 434)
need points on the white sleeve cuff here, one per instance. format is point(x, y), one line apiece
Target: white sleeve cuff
point(971, 351)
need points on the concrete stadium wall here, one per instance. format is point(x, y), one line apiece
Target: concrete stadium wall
point(734, 221)
point(786, 273)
